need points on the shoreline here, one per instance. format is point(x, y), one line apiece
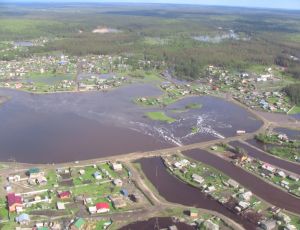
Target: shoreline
point(257, 114)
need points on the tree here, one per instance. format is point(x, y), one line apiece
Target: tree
point(293, 91)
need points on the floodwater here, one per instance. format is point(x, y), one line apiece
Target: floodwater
point(269, 193)
point(83, 76)
point(157, 223)
point(292, 134)
point(175, 191)
point(61, 127)
point(50, 80)
point(292, 167)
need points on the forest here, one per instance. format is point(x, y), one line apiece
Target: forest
point(187, 39)
point(293, 91)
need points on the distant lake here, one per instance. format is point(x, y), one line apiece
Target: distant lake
point(231, 35)
point(23, 43)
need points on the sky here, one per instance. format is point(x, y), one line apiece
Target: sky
point(280, 4)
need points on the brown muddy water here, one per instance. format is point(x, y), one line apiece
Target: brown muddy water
point(269, 193)
point(61, 127)
point(175, 191)
point(292, 167)
point(157, 223)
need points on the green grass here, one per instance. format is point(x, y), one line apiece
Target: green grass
point(267, 139)
point(8, 226)
point(285, 152)
point(193, 106)
point(48, 78)
point(52, 178)
point(293, 37)
point(295, 221)
point(3, 212)
point(211, 175)
point(272, 100)
point(90, 170)
point(294, 110)
point(3, 166)
point(179, 110)
point(258, 69)
point(152, 77)
point(160, 116)
point(95, 190)
point(153, 41)
point(194, 129)
point(220, 149)
point(100, 224)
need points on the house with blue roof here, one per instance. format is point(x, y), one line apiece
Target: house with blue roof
point(23, 219)
point(97, 175)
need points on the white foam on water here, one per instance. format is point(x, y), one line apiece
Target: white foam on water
point(168, 136)
point(157, 132)
point(203, 127)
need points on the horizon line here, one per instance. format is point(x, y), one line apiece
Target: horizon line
point(145, 3)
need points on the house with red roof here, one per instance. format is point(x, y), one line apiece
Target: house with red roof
point(64, 195)
point(102, 207)
point(13, 201)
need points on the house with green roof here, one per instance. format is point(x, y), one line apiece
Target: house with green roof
point(78, 224)
point(42, 228)
point(193, 213)
point(33, 171)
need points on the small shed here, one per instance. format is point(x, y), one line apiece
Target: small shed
point(193, 213)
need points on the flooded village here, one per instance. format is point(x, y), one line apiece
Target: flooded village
point(65, 73)
point(106, 194)
point(156, 119)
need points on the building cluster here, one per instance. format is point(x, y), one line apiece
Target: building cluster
point(286, 180)
point(96, 189)
point(90, 71)
point(248, 88)
point(229, 192)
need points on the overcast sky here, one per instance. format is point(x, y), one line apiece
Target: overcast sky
point(282, 4)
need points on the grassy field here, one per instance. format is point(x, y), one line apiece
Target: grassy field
point(194, 129)
point(294, 110)
point(286, 153)
point(160, 116)
point(193, 106)
point(48, 78)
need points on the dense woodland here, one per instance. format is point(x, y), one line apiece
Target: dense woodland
point(294, 93)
